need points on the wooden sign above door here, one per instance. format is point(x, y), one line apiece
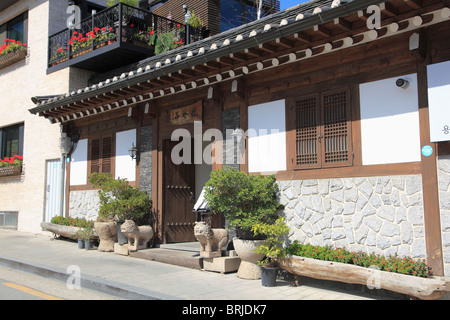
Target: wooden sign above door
point(187, 114)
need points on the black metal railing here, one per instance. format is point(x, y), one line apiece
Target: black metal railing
point(120, 23)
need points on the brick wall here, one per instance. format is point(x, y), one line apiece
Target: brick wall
point(26, 194)
point(207, 10)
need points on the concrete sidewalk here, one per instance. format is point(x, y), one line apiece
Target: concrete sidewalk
point(133, 278)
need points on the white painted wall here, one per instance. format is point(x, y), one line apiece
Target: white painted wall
point(439, 101)
point(78, 164)
point(389, 122)
point(125, 166)
point(267, 137)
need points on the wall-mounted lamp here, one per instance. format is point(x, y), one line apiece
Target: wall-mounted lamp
point(239, 135)
point(402, 83)
point(133, 151)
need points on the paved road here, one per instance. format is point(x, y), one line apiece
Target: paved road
point(19, 285)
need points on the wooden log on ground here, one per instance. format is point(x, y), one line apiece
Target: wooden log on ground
point(421, 288)
point(65, 231)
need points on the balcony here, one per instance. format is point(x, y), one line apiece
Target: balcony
point(114, 37)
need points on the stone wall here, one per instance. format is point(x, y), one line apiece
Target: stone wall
point(373, 214)
point(84, 204)
point(145, 178)
point(230, 121)
point(443, 165)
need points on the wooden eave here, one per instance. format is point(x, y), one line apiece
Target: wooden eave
point(308, 42)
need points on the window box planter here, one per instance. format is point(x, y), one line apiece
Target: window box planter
point(421, 288)
point(12, 57)
point(10, 171)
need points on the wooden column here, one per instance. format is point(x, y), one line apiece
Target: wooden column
point(429, 178)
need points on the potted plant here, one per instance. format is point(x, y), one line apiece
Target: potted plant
point(11, 166)
point(127, 13)
point(167, 41)
point(12, 51)
point(272, 248)
point(120, 201)
point(85, 237)
point(244, 200)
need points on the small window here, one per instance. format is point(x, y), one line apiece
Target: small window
point(8, 220)
point(15, 29)
point(319, 130)
point(11, 141)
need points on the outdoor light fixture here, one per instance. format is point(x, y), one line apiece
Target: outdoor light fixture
point(239, 134)
point(187, 15)
point(133, 151)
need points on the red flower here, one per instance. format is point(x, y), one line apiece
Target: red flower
point(18, 157)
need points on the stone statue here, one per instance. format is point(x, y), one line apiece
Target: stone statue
point(212, 241)
point(138, 237)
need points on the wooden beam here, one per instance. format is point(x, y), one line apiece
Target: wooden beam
point(267, 47)
point(322, 31)
point(342, 24)
point(284, 42)
point(415, 4)
point(302, 38)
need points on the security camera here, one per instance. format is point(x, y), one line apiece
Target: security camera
point(402, 83)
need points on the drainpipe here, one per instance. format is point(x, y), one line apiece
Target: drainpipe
point(65, 146)
point(63, 171)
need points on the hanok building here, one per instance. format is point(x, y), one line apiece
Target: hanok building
point(344, 101)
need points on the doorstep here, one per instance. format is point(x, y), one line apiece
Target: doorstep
point(180, 254)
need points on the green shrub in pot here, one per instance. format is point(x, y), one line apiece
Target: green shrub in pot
point(244, 200)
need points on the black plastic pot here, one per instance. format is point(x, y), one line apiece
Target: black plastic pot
point(268, 276)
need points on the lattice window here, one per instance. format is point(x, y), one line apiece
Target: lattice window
point(335, 127)
point(306, 131)
point(320, 127)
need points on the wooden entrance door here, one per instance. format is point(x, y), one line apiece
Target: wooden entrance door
point(179, 198)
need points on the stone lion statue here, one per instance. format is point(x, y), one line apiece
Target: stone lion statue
point(212, 241)
point(138, 237)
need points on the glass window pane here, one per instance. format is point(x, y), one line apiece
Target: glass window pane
point(11, 220)
point(15, 29)
point(231, 14)
point(10, 142)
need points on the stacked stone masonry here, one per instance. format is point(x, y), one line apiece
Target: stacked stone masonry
point(84, 204)
point(373, 214)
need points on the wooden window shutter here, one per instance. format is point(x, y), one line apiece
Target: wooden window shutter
point(95, 155)
point(336, 129)
point(101, 154)
point(106, 154)
point(306, 132)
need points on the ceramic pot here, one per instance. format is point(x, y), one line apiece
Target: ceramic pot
point(248, 269)
point(107, 232)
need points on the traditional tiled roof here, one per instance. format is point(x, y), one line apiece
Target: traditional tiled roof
point(290, 21)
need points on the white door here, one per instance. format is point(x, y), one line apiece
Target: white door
point(53, 189)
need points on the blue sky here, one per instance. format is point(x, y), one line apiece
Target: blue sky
point(289, 3)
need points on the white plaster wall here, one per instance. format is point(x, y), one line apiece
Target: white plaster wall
point(125, 166)
point(389, 122)
point(439, 101)
point(267, 137)
point(78, 164)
